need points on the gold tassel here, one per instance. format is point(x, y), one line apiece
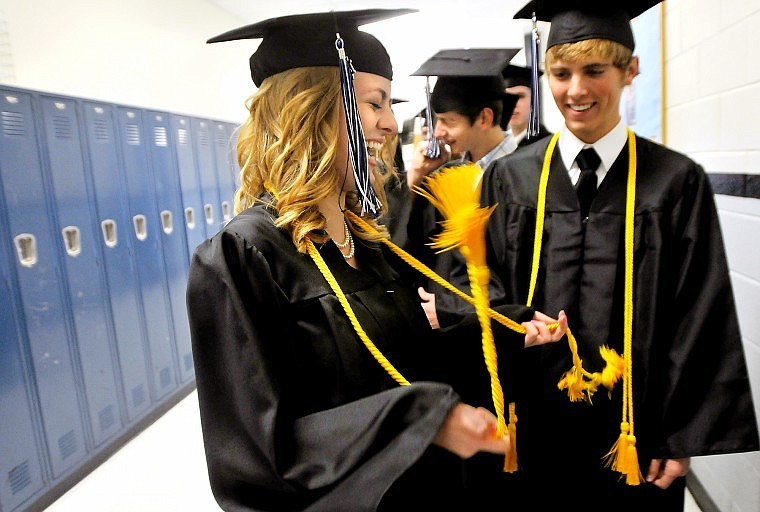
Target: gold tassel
point(616, 457)
point(510, 461)
point(455, 192)
point(632, 472)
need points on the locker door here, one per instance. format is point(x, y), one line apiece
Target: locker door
point(78, 250)
point(204, 155)
point(144, 231)
point(115, 228)
point(20, 468)
point(224, 153)
point(192, 201)
point(173, 242)
point(234, 130)
point(38, 277)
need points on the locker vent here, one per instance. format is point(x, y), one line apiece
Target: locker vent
point(106, 418)
point(203, 137)
point(61, 127)
point(182, 137)
point(159, 136)
point(221, 140)
point(188, 361)
point(164, 377)
point(67, 444)
point(138, 395)
point(19, 477)
point(133, 135)
point(13, 124)
point(101, 130)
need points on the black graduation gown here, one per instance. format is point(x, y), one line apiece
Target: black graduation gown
point(691, 389)
point(296, 413)
point(543, 132)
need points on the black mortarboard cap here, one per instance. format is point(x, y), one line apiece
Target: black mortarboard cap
point(467, 77)
point(305, 40)
point(467, 62)
point(578, 20)
point(517, 75)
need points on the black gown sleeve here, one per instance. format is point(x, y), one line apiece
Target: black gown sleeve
point(706, 401)
point(260, 454)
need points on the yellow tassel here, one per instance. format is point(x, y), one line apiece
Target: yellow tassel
point(573, 382)
point(632, 472)
point(614, 369)
point(510, 461)
point(616, 457)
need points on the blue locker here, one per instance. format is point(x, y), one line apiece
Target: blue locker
point(144, 231)
point(173, 241)
point(38, 276)
point(192, 201)
point(21, 473)
point(122, 284)
point(224, 152)
point(234, 131)
point(204, 155)
point(79, 253)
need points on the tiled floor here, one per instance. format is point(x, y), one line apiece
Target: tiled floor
point(162, 469)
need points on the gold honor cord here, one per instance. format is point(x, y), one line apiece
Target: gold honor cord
point(387, 366)
point(455, 192)
point(581, 384)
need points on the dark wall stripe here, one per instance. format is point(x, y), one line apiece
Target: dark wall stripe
point(739, 185)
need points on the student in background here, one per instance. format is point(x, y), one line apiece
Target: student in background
point(518, 82)
point(639, 265)
point(304, 327)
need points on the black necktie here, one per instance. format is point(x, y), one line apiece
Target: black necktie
point(588, 161)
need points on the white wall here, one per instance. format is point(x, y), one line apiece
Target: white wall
point(712, 114)
point(143, 53)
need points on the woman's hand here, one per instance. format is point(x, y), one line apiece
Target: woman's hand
point(468, 430)
point(538, 333)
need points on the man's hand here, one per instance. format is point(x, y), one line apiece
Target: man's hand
point(663, 472)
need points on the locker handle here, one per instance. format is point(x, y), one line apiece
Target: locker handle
point(110, 236)
point(167, 222)
point(141, 226)
point(26, 248)
point(226, 210)
point(190, 217)
point(209, 211)
point(72, 241)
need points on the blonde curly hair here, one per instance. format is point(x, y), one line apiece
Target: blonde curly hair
point(288, 146)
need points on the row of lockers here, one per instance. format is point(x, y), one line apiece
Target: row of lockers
point(101, 206)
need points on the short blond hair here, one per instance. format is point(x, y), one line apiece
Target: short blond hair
point(571, 52)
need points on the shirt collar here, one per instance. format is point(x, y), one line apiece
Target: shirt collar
point(608, 147)
point(505, 147)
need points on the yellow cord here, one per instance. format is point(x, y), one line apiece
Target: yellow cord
point(580, 383)
point(387, 366)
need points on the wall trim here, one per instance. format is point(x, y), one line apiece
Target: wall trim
point(739, 185)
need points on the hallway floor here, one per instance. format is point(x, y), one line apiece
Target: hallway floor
point(174, 478)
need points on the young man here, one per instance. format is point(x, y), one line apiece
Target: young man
point(650, 282)
point(517, 81)
point(471, 110)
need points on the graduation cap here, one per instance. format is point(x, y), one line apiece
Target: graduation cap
point(578, 20)
point(305, 40)
point(467, 78)
point(325, 39)
point(514, 75)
